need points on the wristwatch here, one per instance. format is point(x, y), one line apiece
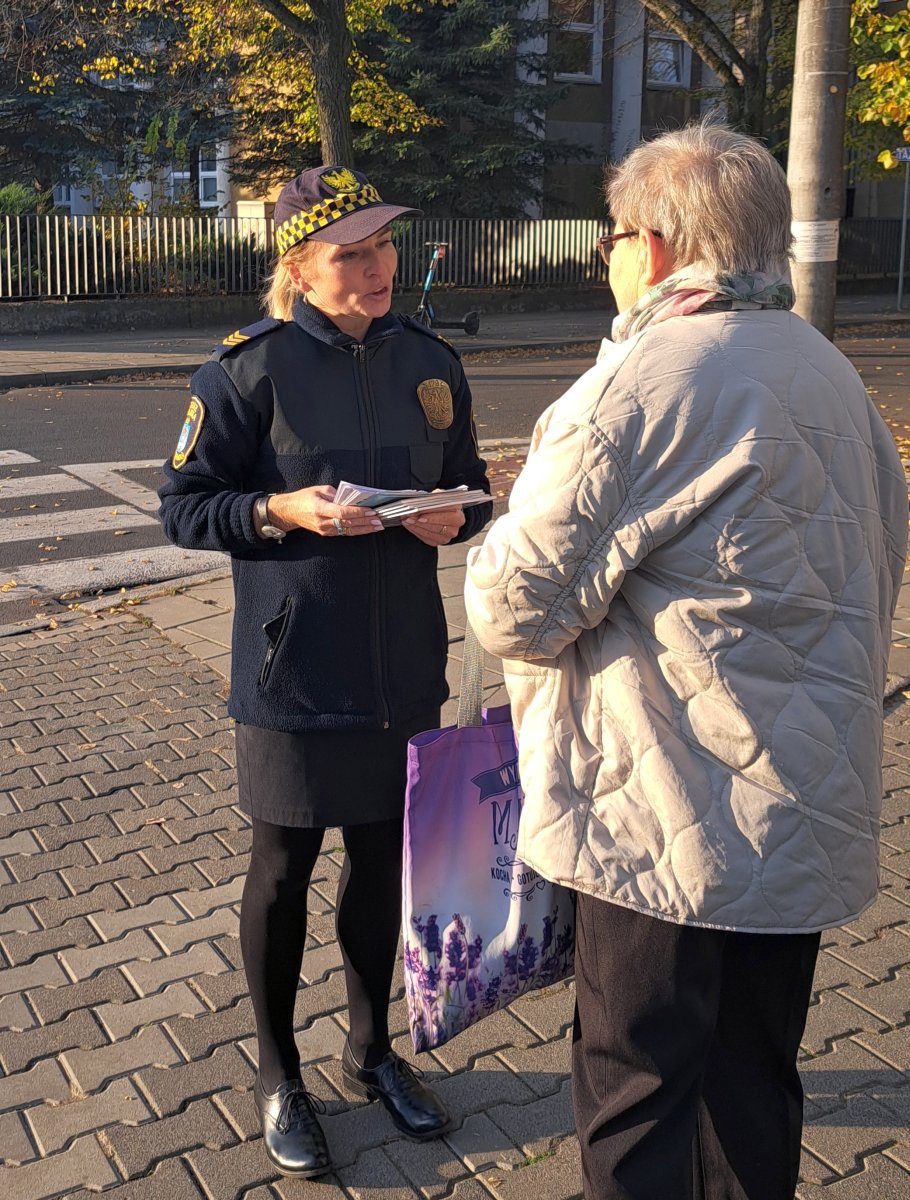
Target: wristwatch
point(266, 529)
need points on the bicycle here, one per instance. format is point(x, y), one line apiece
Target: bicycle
point(426, 313)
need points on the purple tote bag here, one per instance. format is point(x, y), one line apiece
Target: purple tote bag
point(480, 928)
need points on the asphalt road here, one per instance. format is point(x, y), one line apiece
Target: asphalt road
point(79, 465)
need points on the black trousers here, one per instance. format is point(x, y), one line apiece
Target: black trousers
point(684, 1057)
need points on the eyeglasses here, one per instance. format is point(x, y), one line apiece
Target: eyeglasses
point(606, 243)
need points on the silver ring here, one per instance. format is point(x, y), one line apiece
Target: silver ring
point(339, 528)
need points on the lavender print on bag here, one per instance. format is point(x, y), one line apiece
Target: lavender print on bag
point(480, 927)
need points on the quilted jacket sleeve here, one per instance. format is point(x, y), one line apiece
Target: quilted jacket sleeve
point(550, 566)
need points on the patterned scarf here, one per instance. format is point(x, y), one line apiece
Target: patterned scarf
point(694, 287)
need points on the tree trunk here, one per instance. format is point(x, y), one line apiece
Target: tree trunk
point(331, 53)
point(756, 37)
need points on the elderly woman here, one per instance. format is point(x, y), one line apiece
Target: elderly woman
point(693, 589)
point(339, 643)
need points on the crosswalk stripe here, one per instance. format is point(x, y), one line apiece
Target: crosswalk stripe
point(63, 524)
point(103, 571)
point(15, 456)
point(40, 485)
point(107, 477)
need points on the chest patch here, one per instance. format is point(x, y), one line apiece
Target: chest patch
point(435, 398)
point(189, 434)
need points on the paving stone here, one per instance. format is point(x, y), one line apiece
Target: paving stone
point(835, 1017)
point(489, 1083)
point(222, 991)
point(846, 1069)
point(228, 1174)
point(52, 1003)
point(240, 1112)
point(54, 912)
point(18, 920)
point(229, 949)
point(27, 866)
point(92, 1068)
point(162, 813)
point(881, 1179)
point(556, 1175)
point(544, 1067)
point(534, 1125)
point(845, 1137)
point(171, 1181)
point(137, 1148)
point(878, 957)
point(167, 1090)
point(354, 1130)
point(206, 847)
point(45, 1081)
point(374, 1175)
point(15, 1144)
point(888, 999)
point(121, 1020)
point(115, 804)
point(480, 1144)
point(84, 1163)
point(78, 1030)
point(21, 948)
point(54, 1125)
point(15, 1013)
point(149, 977)
point(319, 961)
point(549, 1013)
point(20, 843)
point(201, 901)
point(132, 946)
point(177, 937)
point(893, 1047)
point(140, 890)
point(43, 972)
point(120, 871)
point(429, 1167)
point(498, 1030)
point(112, 925)
point(48, 885)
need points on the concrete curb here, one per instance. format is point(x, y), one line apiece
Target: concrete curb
point(97, 374)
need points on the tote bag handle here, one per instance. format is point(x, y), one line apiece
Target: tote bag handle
point(470, 697)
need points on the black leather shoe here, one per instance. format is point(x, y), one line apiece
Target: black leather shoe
point(416, 1110)
point(294, 1141)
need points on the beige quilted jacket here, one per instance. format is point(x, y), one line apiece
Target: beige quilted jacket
point(693, 589)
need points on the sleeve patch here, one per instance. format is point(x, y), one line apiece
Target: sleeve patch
point(189, 434)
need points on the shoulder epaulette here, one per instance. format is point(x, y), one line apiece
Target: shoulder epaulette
point(240, 337)
point(411, 323)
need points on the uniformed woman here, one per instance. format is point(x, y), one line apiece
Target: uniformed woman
point(339, 641)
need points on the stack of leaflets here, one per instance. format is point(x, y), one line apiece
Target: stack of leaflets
point(393, 506)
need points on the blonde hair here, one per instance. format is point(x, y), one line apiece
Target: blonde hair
point(716, 197)
point(280, 289)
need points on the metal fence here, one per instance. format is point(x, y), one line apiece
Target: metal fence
point(56, 256)
point(73, 257)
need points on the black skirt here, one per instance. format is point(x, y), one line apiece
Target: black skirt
point(317, 780)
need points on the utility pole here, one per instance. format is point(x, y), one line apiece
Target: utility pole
point(815, 161)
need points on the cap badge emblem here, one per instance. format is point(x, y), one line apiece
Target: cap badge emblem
point(341, 180)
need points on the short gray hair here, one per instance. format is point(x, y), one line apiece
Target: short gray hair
point(716, 197)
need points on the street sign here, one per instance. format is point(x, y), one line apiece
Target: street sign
point(902, 154)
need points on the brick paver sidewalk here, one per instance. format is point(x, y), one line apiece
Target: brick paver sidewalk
point(126, 1034)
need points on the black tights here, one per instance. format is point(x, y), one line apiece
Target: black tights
point(273, 923)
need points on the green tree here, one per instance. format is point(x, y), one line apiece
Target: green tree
point(477, 69)
point(881, 96)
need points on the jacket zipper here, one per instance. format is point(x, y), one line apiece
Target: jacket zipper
point(375, 562)
point(274, 642)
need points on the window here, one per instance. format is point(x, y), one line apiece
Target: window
point(63, 195)
point(576, 46)
point(208, 177)
point(669, 58)
point(208, 180)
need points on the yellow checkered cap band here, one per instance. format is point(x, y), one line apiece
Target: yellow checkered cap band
point(302, 224)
